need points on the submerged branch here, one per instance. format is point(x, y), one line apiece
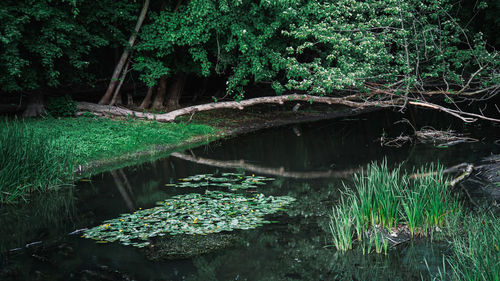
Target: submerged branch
point(467, 171)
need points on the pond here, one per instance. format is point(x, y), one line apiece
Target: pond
point(309, 162)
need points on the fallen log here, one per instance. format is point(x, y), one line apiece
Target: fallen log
point(107, 110)
point(360, 101)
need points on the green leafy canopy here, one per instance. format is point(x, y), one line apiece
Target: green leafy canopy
point(320, 47)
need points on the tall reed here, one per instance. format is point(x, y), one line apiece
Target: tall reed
point(476, 253)
point(383, 200)
point(29, 162)
point(341, 229)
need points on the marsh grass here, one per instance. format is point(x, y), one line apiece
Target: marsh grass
point(384, 200)
point(30, 163)
point(341, 229)
point(475, 251)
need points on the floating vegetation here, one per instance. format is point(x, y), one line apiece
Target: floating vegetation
point(232, 181)
point(213, 212)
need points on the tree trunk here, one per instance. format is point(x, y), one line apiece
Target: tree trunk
point(35, 105)
point(147, 99)
point(160, 93)
point(201, 92)
point(130, 99)
point(358, 101)
point(121, 63)
point(117, 97)
point(175, 92)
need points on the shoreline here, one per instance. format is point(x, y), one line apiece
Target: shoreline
point(254, 124)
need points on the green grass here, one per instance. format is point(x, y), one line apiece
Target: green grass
point(39, 154)
point(384, 200)
point(30, 163)
point(99, 138)
point(475, 250)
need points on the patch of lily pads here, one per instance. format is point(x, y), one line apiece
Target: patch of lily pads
point(232, 181)
point(194, 213)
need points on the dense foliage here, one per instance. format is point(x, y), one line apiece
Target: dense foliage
point(50, 43)
point(320, 47)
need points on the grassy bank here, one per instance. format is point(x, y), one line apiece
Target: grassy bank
point(30, 162)
point(40, 154)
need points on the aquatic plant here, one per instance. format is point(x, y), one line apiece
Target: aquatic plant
point(475, 251)
point(379, 193)
point(387, 201)
point(232, 181)
point(194, 213)
point(29, 162)
point(341, 229)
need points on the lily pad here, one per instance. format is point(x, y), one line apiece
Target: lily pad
point(232, 181)
point(194, 213)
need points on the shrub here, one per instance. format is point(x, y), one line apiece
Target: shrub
point(61, 106)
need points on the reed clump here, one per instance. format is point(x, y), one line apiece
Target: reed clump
point(29, 162)
point(385, 203)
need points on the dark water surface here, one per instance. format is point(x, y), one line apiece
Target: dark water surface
point(309, 161)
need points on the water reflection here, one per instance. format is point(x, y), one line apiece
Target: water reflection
point(44, 215)
point(248, 167)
